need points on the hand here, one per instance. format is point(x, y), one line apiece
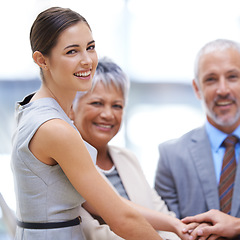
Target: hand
point(178, 225)
point(221, 224)
point(194, 228)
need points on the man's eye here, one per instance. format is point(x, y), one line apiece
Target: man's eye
point(233, 76)
point(210, 79)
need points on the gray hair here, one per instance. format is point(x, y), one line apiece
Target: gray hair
point(109, 73)
point(216, 45)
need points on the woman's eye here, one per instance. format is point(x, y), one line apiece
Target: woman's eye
point(91, 47)
point(71, 51)
point(96, 103)
point(118, 106)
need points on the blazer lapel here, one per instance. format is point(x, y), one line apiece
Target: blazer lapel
point(130, 176)
point(236, 194)
point(202, 156)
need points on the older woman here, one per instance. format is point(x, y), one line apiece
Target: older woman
point(98, 116)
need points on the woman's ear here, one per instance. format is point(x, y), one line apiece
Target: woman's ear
point(40, 60)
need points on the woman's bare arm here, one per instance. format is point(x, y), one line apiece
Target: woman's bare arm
point(60, 142)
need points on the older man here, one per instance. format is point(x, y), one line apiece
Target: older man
point(200, 170)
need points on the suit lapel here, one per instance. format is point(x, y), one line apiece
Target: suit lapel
point(236, 194)
point(202, 158)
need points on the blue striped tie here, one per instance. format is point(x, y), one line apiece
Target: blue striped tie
point(228, 173)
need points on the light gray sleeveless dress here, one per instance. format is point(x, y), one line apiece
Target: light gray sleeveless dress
point(43, 192)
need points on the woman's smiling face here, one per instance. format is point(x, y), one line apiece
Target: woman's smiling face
point(98, 114)
point(73, 61)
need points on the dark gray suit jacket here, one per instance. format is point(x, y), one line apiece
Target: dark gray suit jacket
point(185, 176)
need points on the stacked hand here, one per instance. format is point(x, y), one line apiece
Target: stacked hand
point(213, 225)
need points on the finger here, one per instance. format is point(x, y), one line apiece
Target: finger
point(187, 220)
point(184, 236)
point(202, 238)
point(190, 227)
point(196, 232)
point(206, 231)
point(214, 237)
point(203, 217)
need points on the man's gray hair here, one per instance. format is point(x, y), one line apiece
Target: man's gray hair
point(216, 45)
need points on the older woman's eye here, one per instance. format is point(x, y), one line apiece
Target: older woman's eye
point(118, 106)
point(96, 103)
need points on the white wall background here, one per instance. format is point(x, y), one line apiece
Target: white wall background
point(153, 41)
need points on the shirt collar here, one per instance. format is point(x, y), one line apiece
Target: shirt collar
point(216, 137)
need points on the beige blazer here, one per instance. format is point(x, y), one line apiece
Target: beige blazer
point(138, 190)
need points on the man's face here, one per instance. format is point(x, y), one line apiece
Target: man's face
point(218, 87)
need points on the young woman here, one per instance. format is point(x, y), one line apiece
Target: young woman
point(98, 116)
point(53, 170)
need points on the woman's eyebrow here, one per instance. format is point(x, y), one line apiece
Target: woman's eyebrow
point(70, 46)
point(91, 42)
point(77, 45)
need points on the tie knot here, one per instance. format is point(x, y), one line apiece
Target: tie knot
point(230, 141)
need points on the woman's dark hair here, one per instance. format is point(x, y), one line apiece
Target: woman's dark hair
point(49, 24)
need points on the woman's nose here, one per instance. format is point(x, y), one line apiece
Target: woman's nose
point(107, 113)
point(86, 59)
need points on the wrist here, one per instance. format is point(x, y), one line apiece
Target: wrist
point(177, 226)
point(237, 227)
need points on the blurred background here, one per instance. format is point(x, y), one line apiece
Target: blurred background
point(154, 41)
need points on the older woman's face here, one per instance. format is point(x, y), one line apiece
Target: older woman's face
point(98, 114)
